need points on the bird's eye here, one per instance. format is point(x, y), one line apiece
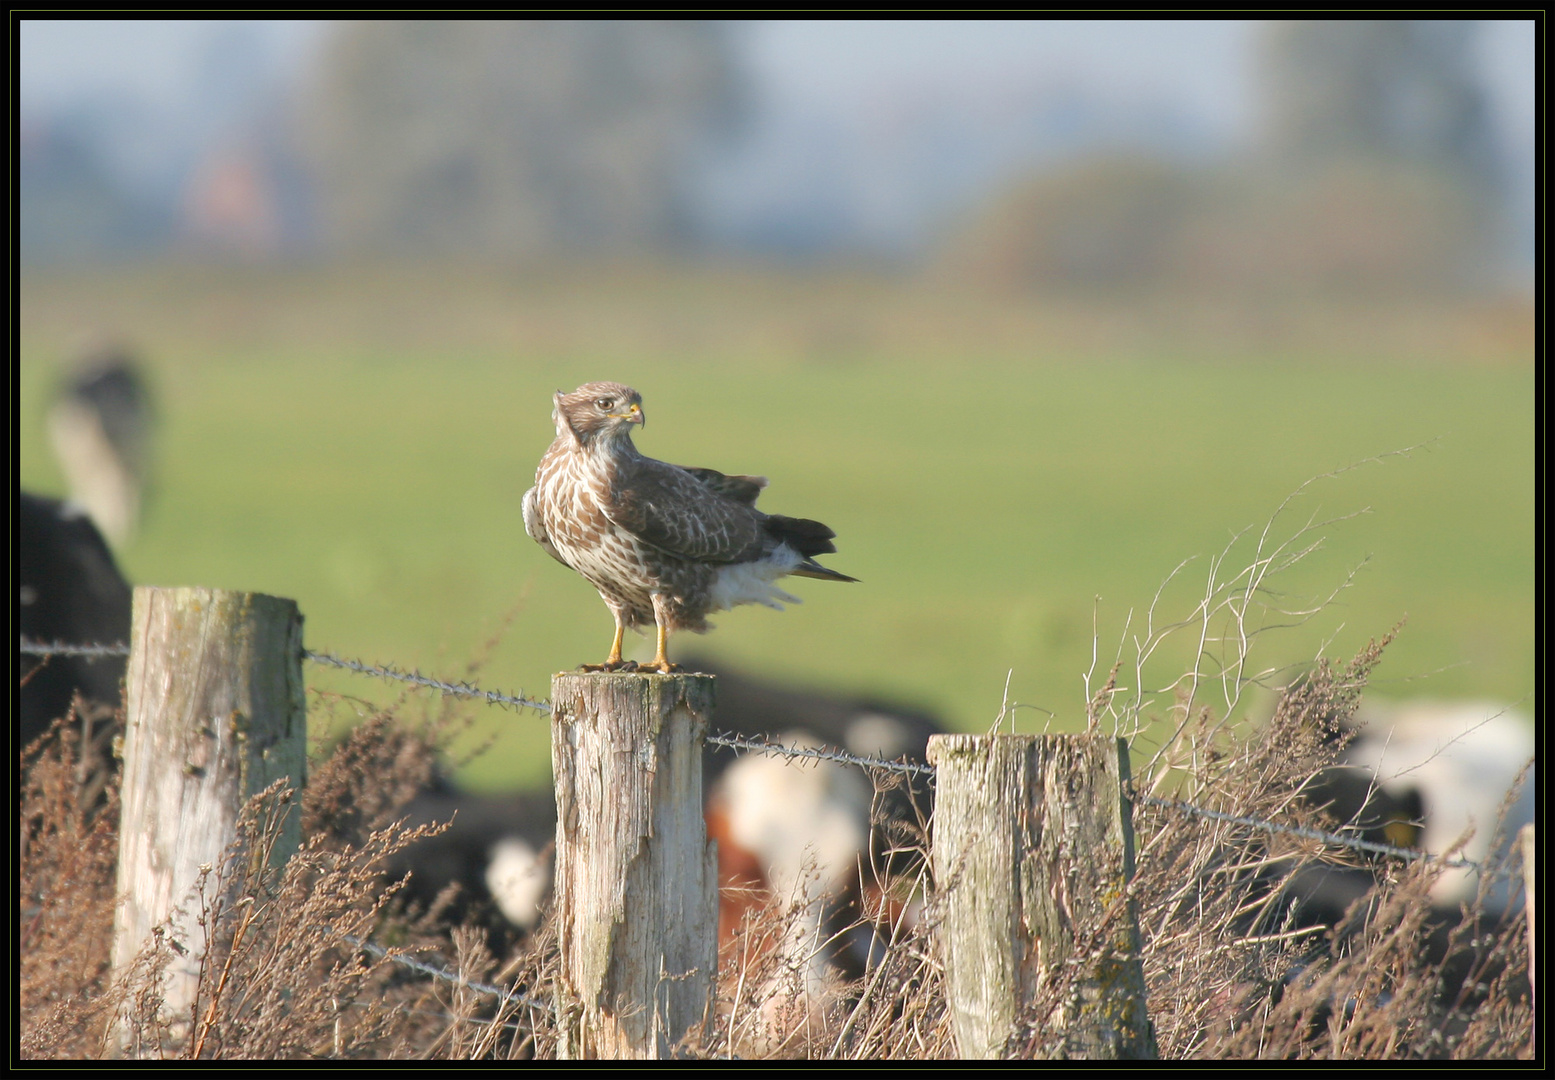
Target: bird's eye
point(606, 403)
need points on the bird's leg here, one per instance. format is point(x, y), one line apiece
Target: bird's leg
point(661, 661)
point(661, 619)
point(613, 661)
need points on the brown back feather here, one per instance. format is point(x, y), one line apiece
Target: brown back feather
point(742, 489)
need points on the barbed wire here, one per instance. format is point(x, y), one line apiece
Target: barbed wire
point(741, 742)
point(30, 647)
point(458, 689)
point(443, 975)
point(735, 742)
point(1307, 833)
point(448, 976)
point(732, 741)
point(439, 1014)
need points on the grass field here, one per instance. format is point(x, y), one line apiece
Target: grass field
point(1002, 475)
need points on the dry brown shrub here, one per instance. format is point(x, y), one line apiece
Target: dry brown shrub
point(1204, 887)
point(68, 852)
point(1230, 977)
point(300, 966)
point(298, 963)
point(1230, 972)
point(371, 774)
point(771, 1004)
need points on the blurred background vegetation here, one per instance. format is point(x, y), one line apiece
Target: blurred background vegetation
point(1025, 352)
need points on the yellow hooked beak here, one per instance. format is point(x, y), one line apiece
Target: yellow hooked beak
point(633, 415)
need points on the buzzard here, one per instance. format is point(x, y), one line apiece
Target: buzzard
point(661, 543)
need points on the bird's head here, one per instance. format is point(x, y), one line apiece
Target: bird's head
point(599, 412)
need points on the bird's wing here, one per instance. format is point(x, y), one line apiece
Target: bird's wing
point(743, 489)
point(680, 513)
point(534, 525)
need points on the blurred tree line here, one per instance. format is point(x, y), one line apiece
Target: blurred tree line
point(515, 139)
point(1376, 173)
point(1375, 170)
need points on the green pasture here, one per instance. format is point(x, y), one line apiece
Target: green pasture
point(1011, 498)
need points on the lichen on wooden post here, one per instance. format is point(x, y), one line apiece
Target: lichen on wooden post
point(215, 714)
point(636, 878)
point(1032, 853)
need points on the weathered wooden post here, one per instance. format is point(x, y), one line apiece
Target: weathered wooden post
point(215, 714)
point(1033, 848)
point(636, 877)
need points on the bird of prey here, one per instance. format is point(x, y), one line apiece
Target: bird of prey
point(662, 544)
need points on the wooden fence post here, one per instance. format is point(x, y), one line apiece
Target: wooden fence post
point(1033, 848)
point(215, 714)
point(636, 878)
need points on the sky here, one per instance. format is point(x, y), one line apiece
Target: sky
point(1199, 65)
point(1203, 65)
point(66, 59)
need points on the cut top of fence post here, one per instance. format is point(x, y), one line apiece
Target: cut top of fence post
point(1032, 851)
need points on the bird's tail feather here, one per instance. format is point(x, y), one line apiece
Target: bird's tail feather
point(803, 535)
point(810, 568)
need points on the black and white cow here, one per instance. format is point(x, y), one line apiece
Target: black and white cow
point(491, 867)
point(100, 426)
point(815, 836)
point(69, 590)
point(1467, 766)
point(1445, 778)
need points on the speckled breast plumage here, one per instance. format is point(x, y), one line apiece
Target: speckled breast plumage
point(625, 570)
